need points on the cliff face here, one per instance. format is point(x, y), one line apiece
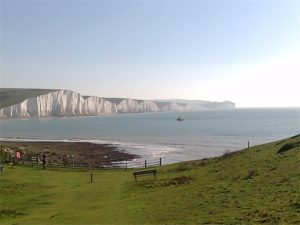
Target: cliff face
point(132, 106)
point(172, 107)
point(200, 104)
point(59, 103)
point(69, 103)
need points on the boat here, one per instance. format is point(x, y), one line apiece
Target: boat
point(180, 118)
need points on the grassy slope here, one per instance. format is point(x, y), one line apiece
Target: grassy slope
point(217, 190)
point(12, 96)
point(119, 100)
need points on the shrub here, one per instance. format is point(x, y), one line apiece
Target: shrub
point(183, 179)
point(298, 135)
point(176, 181)
point(228, 154)
point(183, 167)
point(287, 147)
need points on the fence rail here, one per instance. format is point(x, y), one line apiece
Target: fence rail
point(34, 162)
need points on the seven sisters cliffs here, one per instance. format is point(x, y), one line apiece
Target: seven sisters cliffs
point(41, 102)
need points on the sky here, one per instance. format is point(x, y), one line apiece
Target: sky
point(244, 51)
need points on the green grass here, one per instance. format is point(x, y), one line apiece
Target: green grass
point(161, 104)
point(12, 96)
point(255, 185)
point(117, 101)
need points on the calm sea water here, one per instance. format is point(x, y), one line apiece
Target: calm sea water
point(202, 133)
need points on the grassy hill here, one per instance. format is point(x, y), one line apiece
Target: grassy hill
point(12, 96)
point(256, 185)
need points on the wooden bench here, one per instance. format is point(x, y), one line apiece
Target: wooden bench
point(2, 170)
point(146, 172)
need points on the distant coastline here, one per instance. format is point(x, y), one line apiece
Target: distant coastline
point(65, 103)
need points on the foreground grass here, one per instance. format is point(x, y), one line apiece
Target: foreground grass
point(255, 185)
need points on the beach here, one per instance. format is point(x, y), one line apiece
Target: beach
point(77, 152)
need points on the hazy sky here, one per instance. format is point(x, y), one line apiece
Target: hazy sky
point(245, 51)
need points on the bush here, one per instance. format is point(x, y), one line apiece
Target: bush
point(228, 154)
point(183, 167)
point(287, 147)
point(177, 181)
point(295, 136)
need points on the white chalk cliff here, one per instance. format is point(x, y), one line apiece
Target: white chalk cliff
point(59, 103)
point(133, 106)
point(69, 103)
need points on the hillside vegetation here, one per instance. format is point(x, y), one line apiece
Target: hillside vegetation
point(255, 185)
point(12, 96)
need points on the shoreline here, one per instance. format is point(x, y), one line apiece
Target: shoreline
point(66, 152)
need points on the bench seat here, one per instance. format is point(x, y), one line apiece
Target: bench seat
point(145, 172)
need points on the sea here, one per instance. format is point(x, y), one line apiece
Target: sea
point(202, 134)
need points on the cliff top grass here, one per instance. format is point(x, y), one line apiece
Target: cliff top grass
point(256, 185)
point(119, 100)
point(12, 96)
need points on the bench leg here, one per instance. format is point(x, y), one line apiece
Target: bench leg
point(154, 176)
point(135, 178)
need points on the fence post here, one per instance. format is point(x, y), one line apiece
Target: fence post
point(160, 161)
point(145, 164)
point(1, 151)
point(126, 166)
point(91, 177)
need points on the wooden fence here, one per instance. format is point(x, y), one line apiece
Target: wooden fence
point(138, 164)
point(113, 164)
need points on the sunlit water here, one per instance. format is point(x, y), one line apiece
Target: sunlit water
point(201, 134)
